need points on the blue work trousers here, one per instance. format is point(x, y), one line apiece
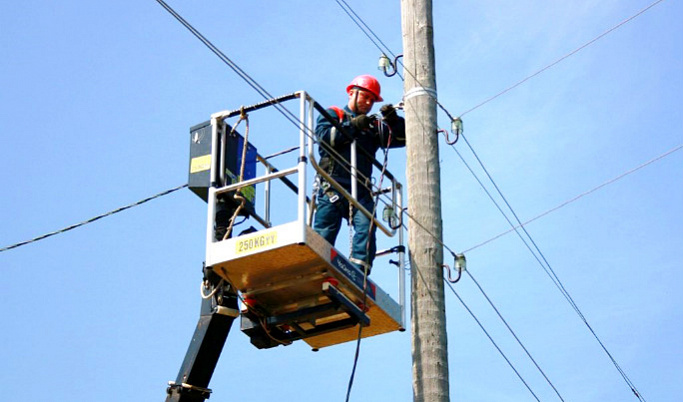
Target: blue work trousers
point(328, 219)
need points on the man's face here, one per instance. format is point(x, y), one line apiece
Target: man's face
point(361, 101)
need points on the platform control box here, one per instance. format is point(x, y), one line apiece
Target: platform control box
point(200, 161)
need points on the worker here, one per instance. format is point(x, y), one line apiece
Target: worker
point(370, 133)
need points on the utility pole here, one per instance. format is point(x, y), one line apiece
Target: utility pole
point(428, 311)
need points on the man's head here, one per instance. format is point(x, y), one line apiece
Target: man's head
point(363, 92)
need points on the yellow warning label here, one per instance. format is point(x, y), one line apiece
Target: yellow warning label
point(200, 163)
point(256, 242)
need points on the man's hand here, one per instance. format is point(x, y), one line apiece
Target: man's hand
point(362, 121)
point(388, 112)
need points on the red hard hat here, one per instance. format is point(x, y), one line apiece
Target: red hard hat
point(367, 82)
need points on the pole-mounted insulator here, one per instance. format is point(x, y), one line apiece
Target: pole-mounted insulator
point(460, 265)
point(385, 64)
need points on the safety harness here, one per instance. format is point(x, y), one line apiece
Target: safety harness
point(327, 163)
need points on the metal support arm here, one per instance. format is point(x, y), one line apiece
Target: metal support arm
point(217, 314)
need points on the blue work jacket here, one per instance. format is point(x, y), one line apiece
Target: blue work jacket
point(382, 134)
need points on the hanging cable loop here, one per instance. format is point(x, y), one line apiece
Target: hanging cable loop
point(206, 284)
point(456, 129)
point(445, 135)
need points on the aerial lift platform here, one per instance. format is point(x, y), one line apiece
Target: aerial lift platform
point(292, 284)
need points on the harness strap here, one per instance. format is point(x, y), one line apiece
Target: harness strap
point(340, 113)
point(329, 162)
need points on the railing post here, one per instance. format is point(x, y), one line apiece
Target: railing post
point(310, 141)
point(301, 203)
point(211, 196)
point(354, 172)
point(401, 258)
point(266, 195)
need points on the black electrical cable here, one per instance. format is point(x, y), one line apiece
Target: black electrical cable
point(553, 276)
point(573, 199)
point(491, 339)
point(286, 151)
point(514, 334)
point(419, 272)
point(258, 88)
point(77, 225)
point(499, 315)
point(358, 21)
point(573, 52)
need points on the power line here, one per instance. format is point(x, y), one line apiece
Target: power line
point(497, 312)
point(234, 67)
point(576, 198)
point(418, 271)
point(514, 334)
point(547, 267)
point(367, 30)
point(91, 220)
point(261, 91)
point(549, 270)
point(573, 52)
point(492, 341)
point(553, 276)
point(284, 111)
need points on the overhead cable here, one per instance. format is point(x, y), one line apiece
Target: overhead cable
point(491, 339)
point(365, 28)
point(433, 95)
point(576, 198)
point(573, 52)
point(259, 89)
point(91, 220)
point(549, 269)
point(429, 291)
point(514, 334)
point(419, 272)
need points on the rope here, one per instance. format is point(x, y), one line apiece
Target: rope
point(238, 196)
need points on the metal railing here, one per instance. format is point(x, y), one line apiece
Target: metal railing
point(306, 153)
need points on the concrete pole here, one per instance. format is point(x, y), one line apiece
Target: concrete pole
point(428, 313)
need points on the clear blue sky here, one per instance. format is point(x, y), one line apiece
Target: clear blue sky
point(96, 103)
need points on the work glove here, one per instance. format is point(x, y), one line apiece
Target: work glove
point(388, 112)
point(361, 122)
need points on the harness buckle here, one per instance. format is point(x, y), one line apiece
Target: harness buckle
point(332, 196)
